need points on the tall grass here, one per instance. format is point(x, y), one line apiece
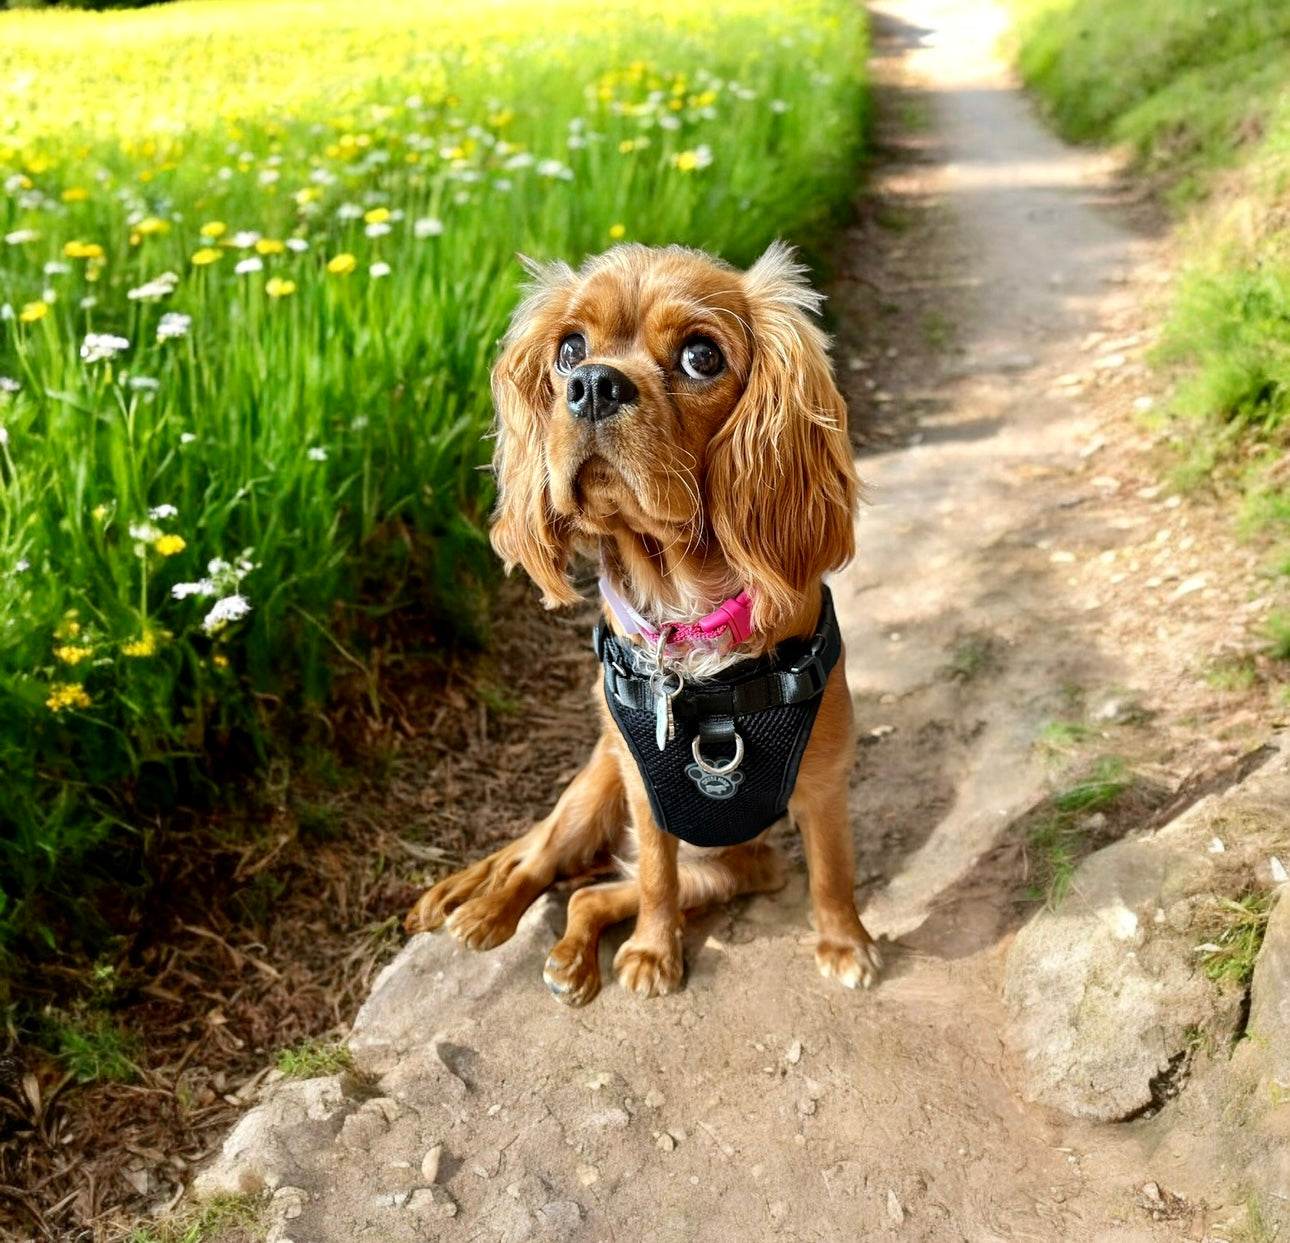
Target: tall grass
point(254, 261)
point(1200, 93)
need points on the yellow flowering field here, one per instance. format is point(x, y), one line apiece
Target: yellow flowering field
point(254, 262)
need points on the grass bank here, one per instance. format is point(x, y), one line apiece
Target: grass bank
point(254, 260)
point(1200, 94)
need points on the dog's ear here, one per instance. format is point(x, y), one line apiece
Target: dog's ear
point(781, 484)
point(526, 530)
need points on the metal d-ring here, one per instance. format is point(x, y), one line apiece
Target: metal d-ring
point(719, 770)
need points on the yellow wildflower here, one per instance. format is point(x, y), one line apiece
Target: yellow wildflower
point(206, 255)
point(63, 695)
point(342, 264)
point(378, 215)
point(152, 224)
point(72, 653)
point(499, 119)
point(269, 246)
point(617, 230)
point(214, 228)
point(169, 545)
point(145, 646)
point(74, 194)
point(83, 250)
point(219, 660)
point(99, 512)
point(277, 287)
point(33, 311)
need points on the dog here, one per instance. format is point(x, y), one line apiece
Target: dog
point(677, 421)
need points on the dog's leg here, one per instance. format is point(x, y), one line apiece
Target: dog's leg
point(845, 950)
point(481, 905)
point(572, 970)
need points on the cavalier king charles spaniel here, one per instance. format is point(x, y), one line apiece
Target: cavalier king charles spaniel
point(676, 421)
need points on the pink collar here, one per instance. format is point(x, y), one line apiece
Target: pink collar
point(728, 625)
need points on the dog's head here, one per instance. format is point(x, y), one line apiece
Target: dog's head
point(663, 404)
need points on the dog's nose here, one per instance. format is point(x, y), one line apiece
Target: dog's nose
point(597, 392)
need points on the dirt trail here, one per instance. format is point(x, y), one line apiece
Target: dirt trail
point(1012, 574)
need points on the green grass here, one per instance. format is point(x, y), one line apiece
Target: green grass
point(225, 1217)
point(313, 1058)
point(332, 197)
point(1233, 935)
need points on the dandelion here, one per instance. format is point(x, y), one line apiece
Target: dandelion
point(64, 695)
point(229, 609)
point(146, 646)
point(73, 653)
point(269, 246)
point(207, 254)
point(245, 267)
point(83, 250)
point(690, 161)
point(316, 453)
point(74, 194)
point(32, 312)
point(214, 228)
point(279, 287)
point(379, 269)
point(168, 545)
point(342, 264)
point(427, 226)
point(151, 225)
point(173, 324)
point(617, 231)
point(99, 347)
point(377, 215)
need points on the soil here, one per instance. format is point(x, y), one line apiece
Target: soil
point(1029, 600)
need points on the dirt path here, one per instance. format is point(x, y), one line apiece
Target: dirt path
point(1020, 577)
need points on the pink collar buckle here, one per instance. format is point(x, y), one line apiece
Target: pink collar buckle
point(730, 622)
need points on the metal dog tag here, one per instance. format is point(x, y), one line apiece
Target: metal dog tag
point(664, 693)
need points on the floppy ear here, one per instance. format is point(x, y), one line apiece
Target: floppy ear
point(525, 529)
point(781, 484)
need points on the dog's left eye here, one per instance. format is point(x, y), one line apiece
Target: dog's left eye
point(701, 359)
point(573, 349)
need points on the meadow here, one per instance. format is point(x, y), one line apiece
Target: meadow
point(1198, 93)
point(254, 262)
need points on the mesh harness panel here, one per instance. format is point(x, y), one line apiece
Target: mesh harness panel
point(769, 704)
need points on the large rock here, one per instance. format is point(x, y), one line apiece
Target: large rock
point(1105, 993)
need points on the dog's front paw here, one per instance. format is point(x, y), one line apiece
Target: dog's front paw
point(572, 972)
point(648, 971)
point(855, 963)
point(486, 922)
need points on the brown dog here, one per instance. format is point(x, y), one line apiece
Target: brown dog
point(677, 421)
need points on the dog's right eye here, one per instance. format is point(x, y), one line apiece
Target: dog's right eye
point(573, 349)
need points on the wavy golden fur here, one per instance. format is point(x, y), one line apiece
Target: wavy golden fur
point(717, 462)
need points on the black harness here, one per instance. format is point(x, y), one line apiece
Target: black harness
point(729, 764)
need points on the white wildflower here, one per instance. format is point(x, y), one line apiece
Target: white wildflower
point(6, 311)
point(669, 121)
point(187, 438)
point(779, 105)
point(297, 245)
point(503, 185)
point(163, 511)
point(4, 435)
point(522, 159)
point(101, 347)
point(268, 176)
point(19, 236)
point(349, 211)
point(229, 609)
point(56, 267)
point(203, 587)
point(144, 383)
point(378, 228)
point(8, 385)
point(88, 303)
point(151, 291)
point(245, 267)
point(427, 226)
point(173, 324)
point(379, 269)
point(49, 295)
point(22, 565)
point(244, 239)
point(316, 453)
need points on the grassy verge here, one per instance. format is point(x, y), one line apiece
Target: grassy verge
point(1200, 93)
point(254, 259)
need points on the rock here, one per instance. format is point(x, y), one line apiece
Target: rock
point(1267, 1049)
point(1103, 993)
point(432, 1202)
point(430, 1164)
point(264, 1149)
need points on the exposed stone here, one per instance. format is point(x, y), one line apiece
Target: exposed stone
point(1103, 992)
